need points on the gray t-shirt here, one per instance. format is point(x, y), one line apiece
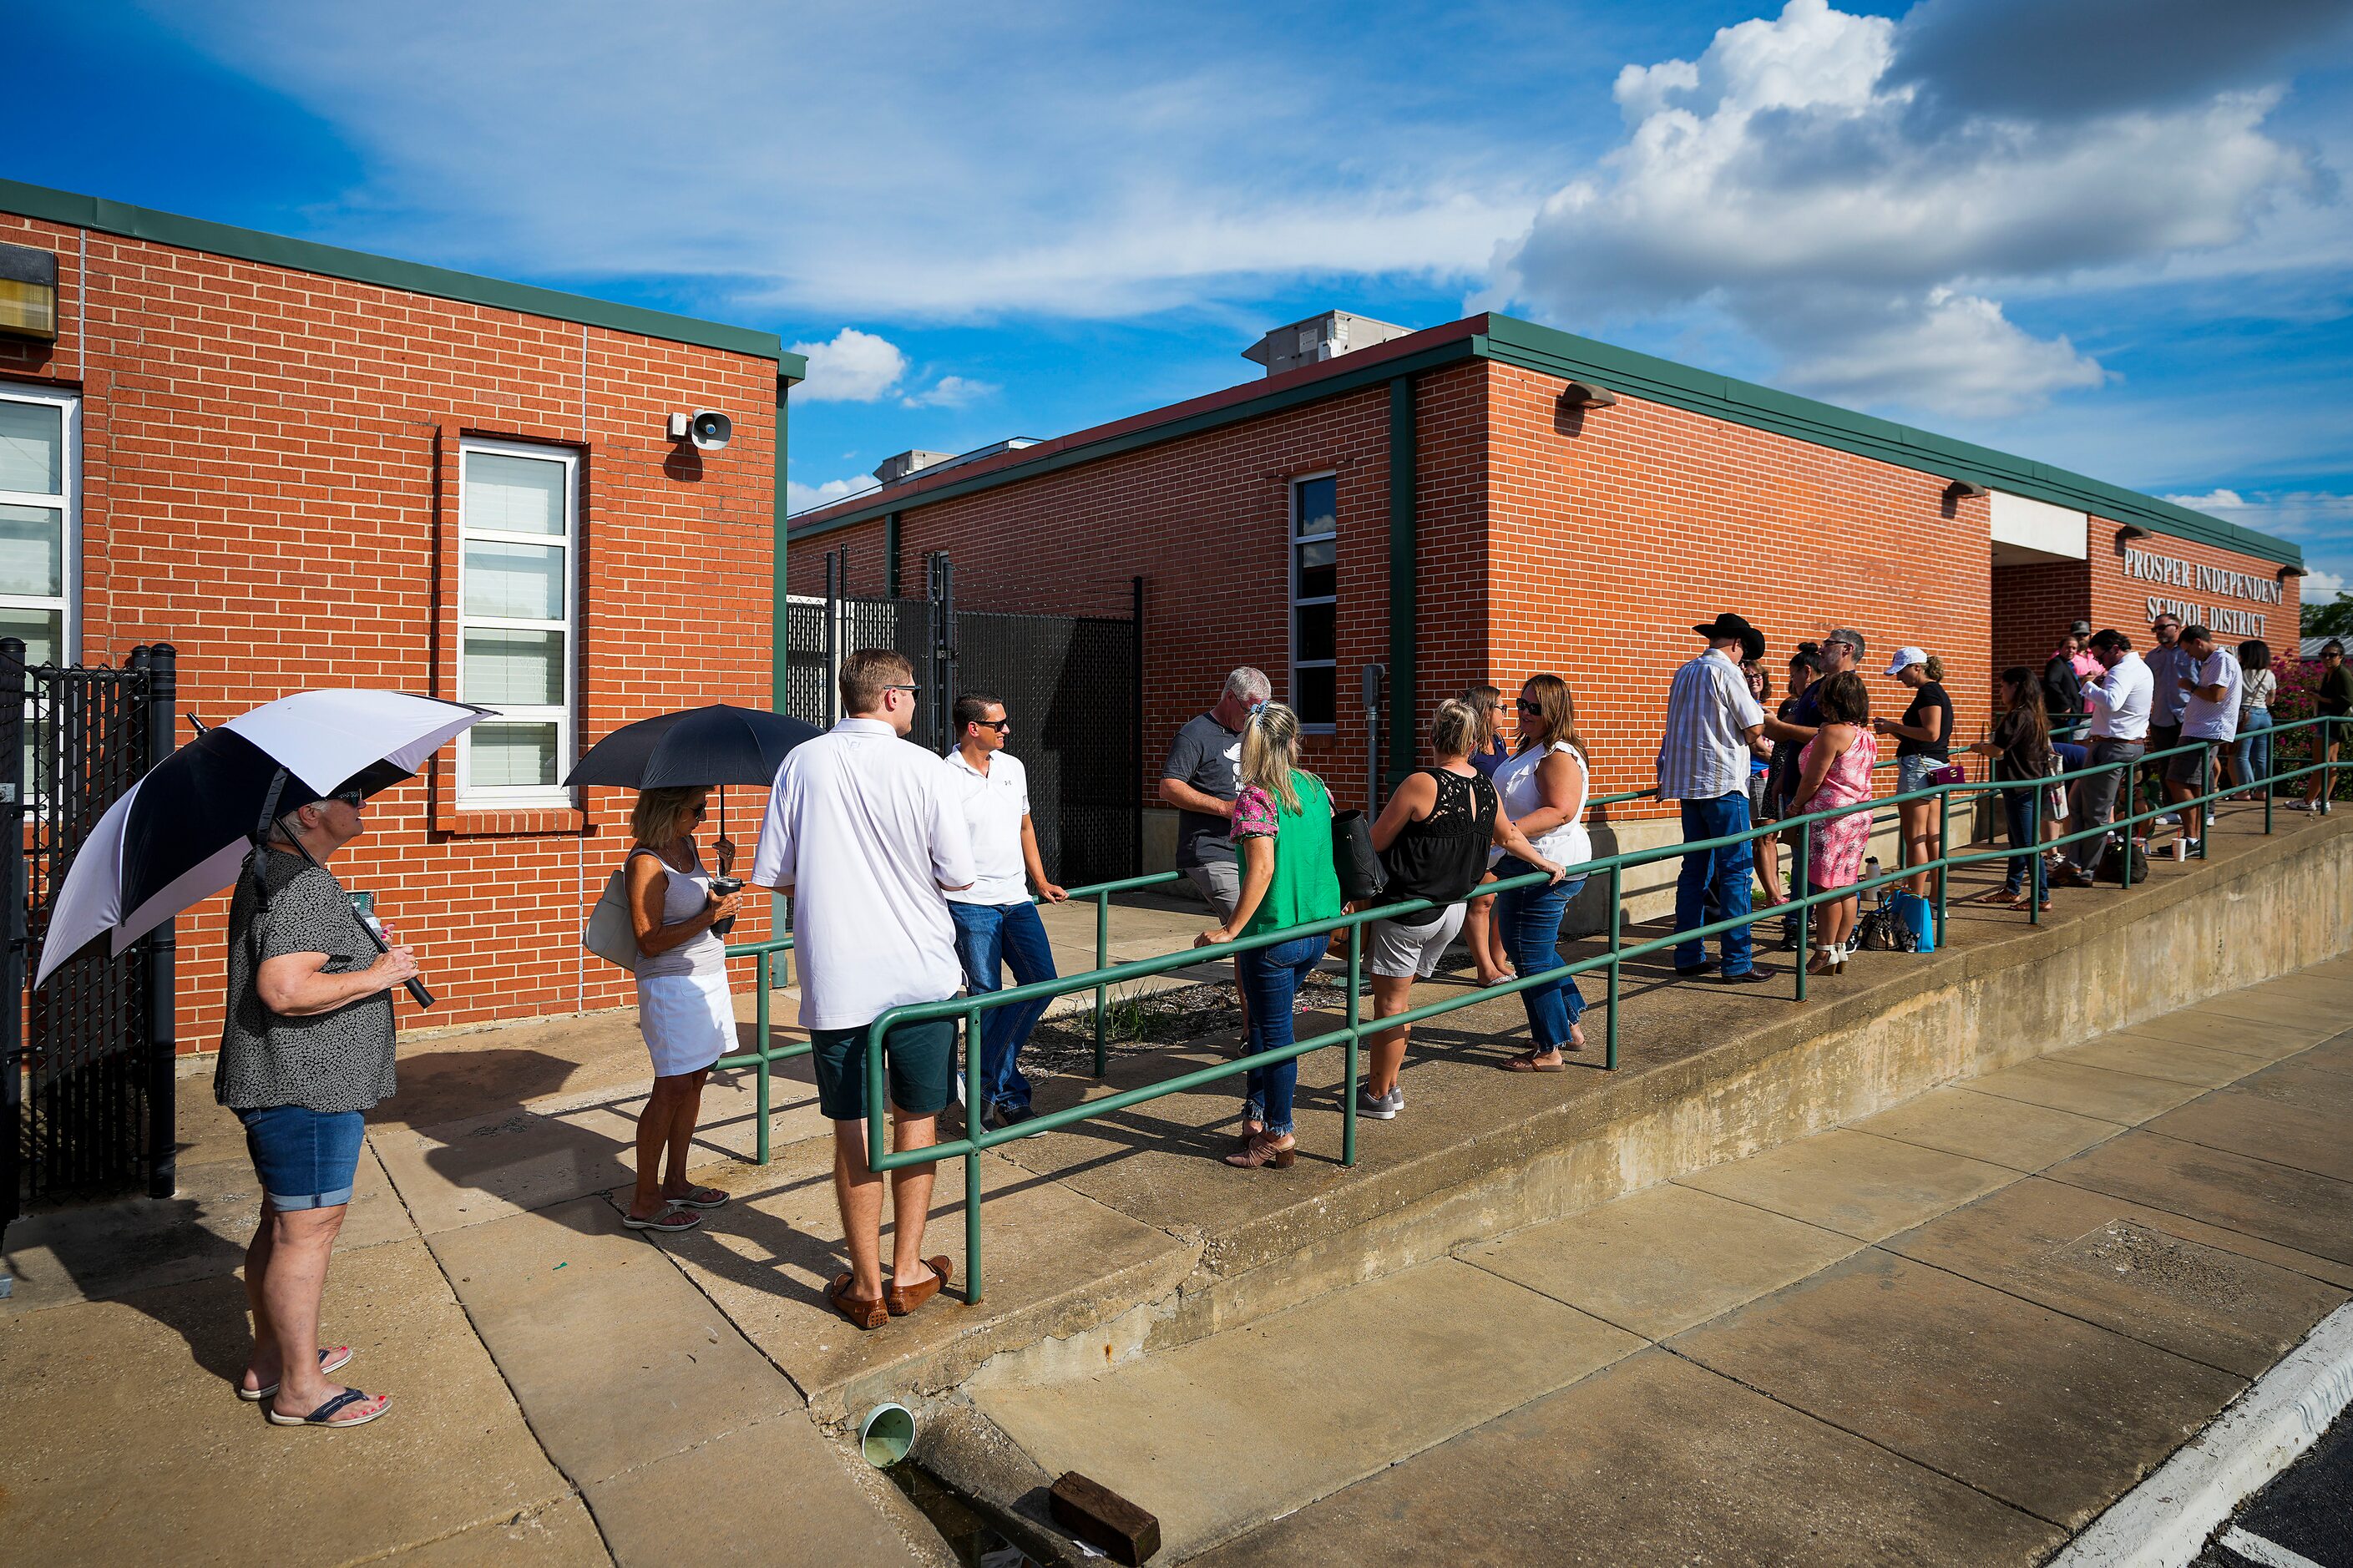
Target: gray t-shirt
point(329, 1062)
point(1207, 755)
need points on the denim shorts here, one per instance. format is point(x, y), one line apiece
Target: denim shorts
point(304, 1159)
point(1912, 774)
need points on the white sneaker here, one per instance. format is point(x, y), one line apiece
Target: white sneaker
point(2167, 820)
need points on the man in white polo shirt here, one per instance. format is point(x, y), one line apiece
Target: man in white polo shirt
point(869, 833)
point(2210, 720)
point(996, 926)
point(2121, 698)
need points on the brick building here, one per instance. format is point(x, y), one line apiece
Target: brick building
point(1488, 498)
point(307, 467)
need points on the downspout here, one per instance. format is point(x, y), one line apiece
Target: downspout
point(890, 557)
point(1404, 744)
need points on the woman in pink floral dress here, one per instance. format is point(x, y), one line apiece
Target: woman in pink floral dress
point(1835, 770)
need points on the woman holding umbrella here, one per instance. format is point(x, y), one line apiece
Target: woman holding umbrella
point(684, 1008)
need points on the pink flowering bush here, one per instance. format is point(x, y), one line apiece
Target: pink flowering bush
point(2299, 681)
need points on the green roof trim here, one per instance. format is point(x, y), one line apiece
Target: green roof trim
point(385, 272)
point(1565, 354)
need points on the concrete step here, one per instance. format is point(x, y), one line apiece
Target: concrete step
point(2018, 1306)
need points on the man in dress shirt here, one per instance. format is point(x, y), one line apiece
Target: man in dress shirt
point(1714, 726)
point(869, 832)
point(2210, 720)
point(2120, 696)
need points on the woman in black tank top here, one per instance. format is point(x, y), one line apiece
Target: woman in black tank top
point(1433, 837)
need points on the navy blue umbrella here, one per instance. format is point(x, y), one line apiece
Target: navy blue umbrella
point(710, 747)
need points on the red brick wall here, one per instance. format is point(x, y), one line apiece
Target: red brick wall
point(2121, 601)
point(1205, 522)
point(268, 470)
point(2034, 605)
point(1616, 529)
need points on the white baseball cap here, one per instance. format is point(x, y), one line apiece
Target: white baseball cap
point(1906, 657)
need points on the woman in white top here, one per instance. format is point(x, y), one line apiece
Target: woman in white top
point(684, 1006)
point(1543, 786)
point(2250, 761)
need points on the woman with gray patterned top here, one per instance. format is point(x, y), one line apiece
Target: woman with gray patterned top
point(307, 1048)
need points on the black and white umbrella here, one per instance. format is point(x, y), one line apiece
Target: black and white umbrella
point(183, 830)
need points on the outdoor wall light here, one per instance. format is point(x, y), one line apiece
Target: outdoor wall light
point(2287, 571)
point(1586, 394)
point(707, 428)
point(1961, 489)
point(28, 293)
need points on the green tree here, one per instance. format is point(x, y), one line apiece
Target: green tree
point(2333, 619)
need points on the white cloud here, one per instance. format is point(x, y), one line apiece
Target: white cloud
point(2320, 587)
point(800, 497)
point(951, 391)
point(1834, 207)
point(2306, 514)
point(854, 367)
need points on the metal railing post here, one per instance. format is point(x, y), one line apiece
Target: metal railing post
point(1805, 914)
point(2267, 792)
point(1102, 993)
point(760, 1044)
point(1944, 853)
point(2034, 855)
point(1348, 1091)
point(971, 1131)
point(1617, 925)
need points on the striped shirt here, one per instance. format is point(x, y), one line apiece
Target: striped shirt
point(1702, 754)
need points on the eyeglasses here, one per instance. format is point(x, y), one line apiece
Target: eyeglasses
point(909, 687)
point(352, 797)
point(1528, 705)
point(700, 811)
point(999, 725)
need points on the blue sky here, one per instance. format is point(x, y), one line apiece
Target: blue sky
point(2110, 233)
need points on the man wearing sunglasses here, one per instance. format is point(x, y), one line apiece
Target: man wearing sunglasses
point(996, 926)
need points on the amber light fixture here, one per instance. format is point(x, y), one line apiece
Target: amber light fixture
point(28, 293)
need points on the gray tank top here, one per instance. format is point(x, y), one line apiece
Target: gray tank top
point(684, 895)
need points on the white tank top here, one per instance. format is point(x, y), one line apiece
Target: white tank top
point(684, 895)
point(1515, 781)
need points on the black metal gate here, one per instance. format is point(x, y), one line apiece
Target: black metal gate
point(1070, 684)
point(86, 1062)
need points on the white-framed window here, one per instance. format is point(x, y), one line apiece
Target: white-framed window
point(1314, 601)
point(40, 521)
point(518, 620)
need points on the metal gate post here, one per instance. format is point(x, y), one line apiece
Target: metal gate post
point(162, 946)
point(1135, 731)
point(11, 956)
point(944, 651)
point(833, 570)
point(1372, 674)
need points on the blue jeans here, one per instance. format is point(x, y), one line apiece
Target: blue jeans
point(304, 1159)
point(1529, 921)
point(1726, 872)
point(2253, 751)
point(2018, 809)
point(1269, 978)
point(989, 937)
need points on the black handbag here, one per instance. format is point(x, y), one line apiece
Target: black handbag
point(1362, 875)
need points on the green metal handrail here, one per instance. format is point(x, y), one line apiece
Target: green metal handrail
point(1351, 1034)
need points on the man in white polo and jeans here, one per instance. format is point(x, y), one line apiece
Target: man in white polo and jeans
point(2210, 720)
point(869, 833)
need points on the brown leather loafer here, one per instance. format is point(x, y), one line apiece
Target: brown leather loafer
point(902, 1302)
point(867, 1314)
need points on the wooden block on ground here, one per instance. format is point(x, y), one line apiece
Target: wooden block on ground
point(1100, 1517)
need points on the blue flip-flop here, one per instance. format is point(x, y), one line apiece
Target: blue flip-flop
point(331, 1413)
point(333, 1360)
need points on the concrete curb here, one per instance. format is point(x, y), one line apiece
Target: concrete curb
point(2164, 1522)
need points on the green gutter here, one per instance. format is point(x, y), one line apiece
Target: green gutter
point(384, 271)
point(1404, 481)
point(1564, 355)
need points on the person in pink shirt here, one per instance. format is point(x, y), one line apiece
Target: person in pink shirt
point(2086, 667)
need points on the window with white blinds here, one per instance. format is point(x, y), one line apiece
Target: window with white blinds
point(518, 620)
point(40, 486)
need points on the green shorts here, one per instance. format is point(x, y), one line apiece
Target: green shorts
point(918, 1064)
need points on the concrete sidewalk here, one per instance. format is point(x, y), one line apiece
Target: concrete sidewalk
point(566, 1389)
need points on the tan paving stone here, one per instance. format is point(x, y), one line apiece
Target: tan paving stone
point(99, 1251)
point(2331, 1056)
point(1661, 1260)
point(1960, 1121)
point(2316, 1140)
point(617, 1359)
point(770, 1493)
point(558, 1536)
point(2156, 1278)
point(1852, 1183)
point(2156, 1058)
point(2294, 1208)
point(2047, 1413)
point(2306, 1020)
point(1225, 1432)
point(127, 1444)
point(2251, 1038)
point(2124, 1098)
point(2304, 1085)
point(1652, 1461)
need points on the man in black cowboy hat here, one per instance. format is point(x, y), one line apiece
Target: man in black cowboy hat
point(1714, 726)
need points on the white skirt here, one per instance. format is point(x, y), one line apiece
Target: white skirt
point(689, 1021)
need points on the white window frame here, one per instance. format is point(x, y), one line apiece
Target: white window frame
point(1292, 542)
point(70, 503)
point(565, 716)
